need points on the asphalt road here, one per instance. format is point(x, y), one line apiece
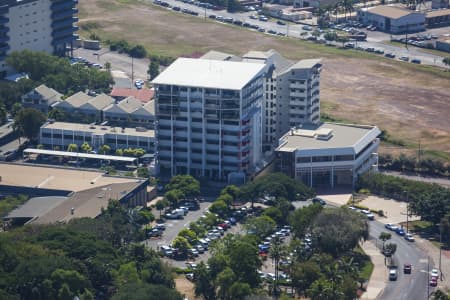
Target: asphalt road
point(414, 286)
point(374, 39)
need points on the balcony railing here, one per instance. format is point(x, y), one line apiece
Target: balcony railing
point(64, 14)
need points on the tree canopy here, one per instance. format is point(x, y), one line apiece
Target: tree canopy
point(28, 122)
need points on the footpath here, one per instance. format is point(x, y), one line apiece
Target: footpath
point(433, 251)
point(377, 281)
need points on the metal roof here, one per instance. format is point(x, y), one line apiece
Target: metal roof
point(392, 12)
point(36, 207)
point(207, 73)
point(80, 155)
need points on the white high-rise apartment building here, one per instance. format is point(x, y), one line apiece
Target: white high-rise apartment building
point(209, 118)
point(291, 94)
point(37, 25)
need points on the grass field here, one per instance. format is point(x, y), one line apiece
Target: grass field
point(409, 101)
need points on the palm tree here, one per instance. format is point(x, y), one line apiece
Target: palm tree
point(277, 251)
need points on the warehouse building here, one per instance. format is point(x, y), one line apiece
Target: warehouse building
point(329, 154)
point(392, 19)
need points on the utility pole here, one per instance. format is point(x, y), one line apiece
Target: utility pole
point(418, 159)
point(440, 251)
point(287, 28)
point(132, 71)
point(428, 281)
point(407, 212)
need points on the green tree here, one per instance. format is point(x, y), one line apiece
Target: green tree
point(119, 152)
point(337, 231)
point(244, 261)
point(219, 207)
point(172, 197)
point(143, 172)
point(160, 205)
point(57, 114)
point(384, 236)
point(301, 219)
point(186, 184)
point(188, 234)
point(28, 122)
point(145, 291)
point(304, 274)
point(138, 51)
point(64, 293)
point(240, 291)
point(204, 284)
point(3, 113)
point(76, 282)
point(72, 148)
point(153, 69)
point(16, 108)
point(105, 149)
point(446, 61)
point(274, 213)
point(127, 273)
point(85, 147)
point(391, 247)
point(260, 226)
point(224, 281)
point(439, 295)
point(182, 245)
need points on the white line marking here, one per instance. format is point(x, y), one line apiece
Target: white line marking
point(45, 181)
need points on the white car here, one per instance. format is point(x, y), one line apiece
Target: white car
point(409, 237)
point(434, 273)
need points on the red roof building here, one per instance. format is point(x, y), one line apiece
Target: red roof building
point(144, 95)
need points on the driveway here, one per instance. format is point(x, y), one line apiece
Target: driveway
point(395, 211)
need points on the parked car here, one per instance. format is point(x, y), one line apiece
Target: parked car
point(407, 268)
point(392, 274)
point(319, 201)
point(409, 237)
point(370, 216)
point(400, 231)
point(404, 58)
point(391, 226)
point(434, 273)
point(416, 61)
point(279, 22)
point(433, 282)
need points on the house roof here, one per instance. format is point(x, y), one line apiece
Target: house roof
point(143, 95)
point(101, 101)
point(48, 93)
point(217, 55)
point(306, 63)
point(209, 73)
point(130, 104)
point(78, 99)
point(150, 107)
point(392, 12)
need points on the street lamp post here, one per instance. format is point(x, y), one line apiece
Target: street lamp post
point(407, 211)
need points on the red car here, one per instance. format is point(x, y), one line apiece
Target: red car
point(433, 282)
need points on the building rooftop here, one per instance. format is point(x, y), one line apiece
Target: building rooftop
point(143, 95)
point(438, 13)
point(307, 64)
point(36, 207)
point(130, 104)
point(101, 101)
point(99, 129)
point(78, 99)
point(48, 93)
point(388, 11)
point(56, 178)
point(326, 136)
point(209, 73)
point(217, 55)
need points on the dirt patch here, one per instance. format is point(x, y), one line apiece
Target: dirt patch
point(408, 101)
point(185, 287)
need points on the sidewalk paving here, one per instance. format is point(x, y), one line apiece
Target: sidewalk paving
point(377, 281)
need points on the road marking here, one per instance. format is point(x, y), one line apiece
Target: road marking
point(185, 225)
point(423, 260)
point(46, 181)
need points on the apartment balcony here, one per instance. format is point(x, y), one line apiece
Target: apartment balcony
point(298, 94)
point(64, 23)
point(4, 39)
point(4, 29)
point(64, 14)
point(4, 48)
point(63, 5)
point(64, 39)
point(296, 86)
point(4, 9)
point(4, 20)
point(64, 32)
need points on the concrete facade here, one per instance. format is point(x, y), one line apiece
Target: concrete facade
point(37, 25)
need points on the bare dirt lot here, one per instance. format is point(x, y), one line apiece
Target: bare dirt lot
point(411, 102)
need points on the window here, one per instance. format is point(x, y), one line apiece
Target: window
point(301, 160)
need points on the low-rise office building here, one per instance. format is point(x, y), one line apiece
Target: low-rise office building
point(443, 44)
point(41, 98)
point(329, 154)
point(392, 19)
point(60, 135)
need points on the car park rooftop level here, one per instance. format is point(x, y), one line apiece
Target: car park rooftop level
point(209, 73)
